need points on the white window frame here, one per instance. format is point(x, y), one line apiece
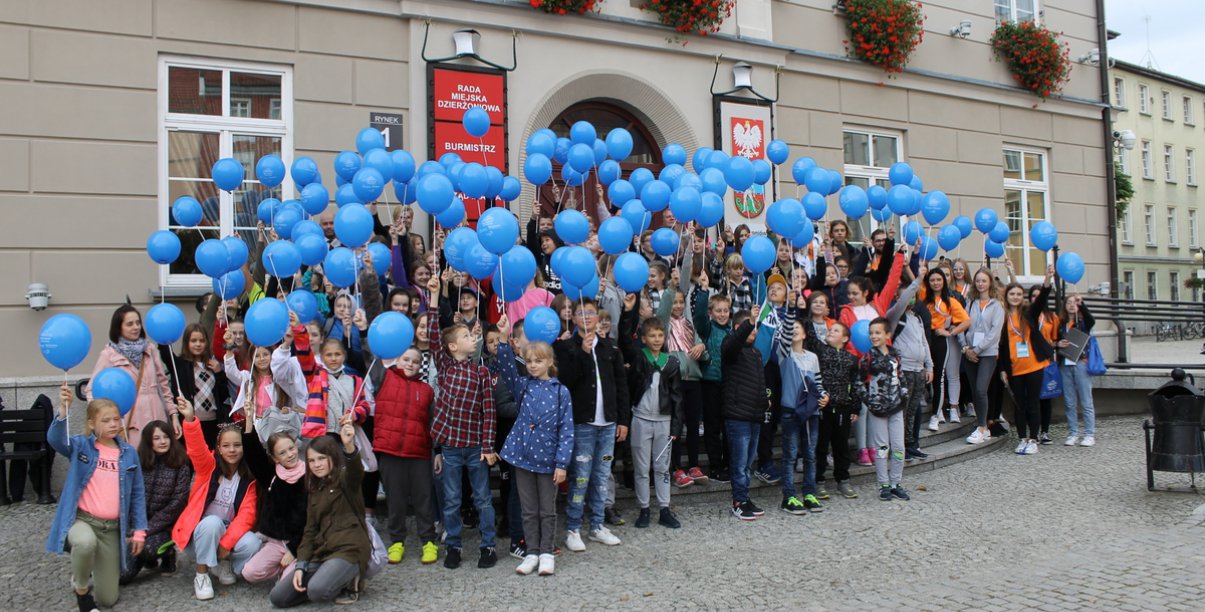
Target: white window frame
point(1173, 278)
point(1148, 161)
point(226, 127)
point(1127, 279)
point(1165, 97)
point(1173, 228)
point(1026, 187)
point(1152, 285)
point(1188, 114)
point(243, 103)
point(874, 175)
point(1148, 224)
point(1127, 227)
point(1190, 166)
point(1169, 163)
point(1144, 99)
point(1119, 92)
point(1193, 227)
point(1123, 160)
point(1012, 10)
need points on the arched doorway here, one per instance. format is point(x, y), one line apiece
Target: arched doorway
point(604, 116)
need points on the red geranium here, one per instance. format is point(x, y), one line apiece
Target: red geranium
point(1036, 59)
point(561, 7)
point(884, 32)
point(700, 17)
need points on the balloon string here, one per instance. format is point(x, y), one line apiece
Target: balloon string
point(363, 382)
point(484, 158)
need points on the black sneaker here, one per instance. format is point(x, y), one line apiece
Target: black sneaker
point(741, 511)
point(721, 476)
point(667, 519)
point(642, 521)
point(488, 558)
point(792, 505)
point(810, 502)
point(452, 558)
point(611, 517)
point(767, 476)
point(167, 562)
point(86, 602)
point(518, 549)
point(884, 493)
point(914, 453)
point(821, 491)
point(1044, 438)
point(755, 509)
point(898, 492)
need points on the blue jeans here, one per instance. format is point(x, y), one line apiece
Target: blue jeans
point(456, 461)
point(799, 440)
point(1077, 393)
point(204, 544)
point(742, 447)
point(593, 447)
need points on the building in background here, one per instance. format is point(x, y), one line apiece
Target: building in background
point(114, 109)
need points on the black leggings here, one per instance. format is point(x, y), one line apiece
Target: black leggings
point(1026, 390)
point(938, 347)
point(713, 426)
point(692, 409)
point(834, 433)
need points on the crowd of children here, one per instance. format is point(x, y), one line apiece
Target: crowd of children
point(266, 462)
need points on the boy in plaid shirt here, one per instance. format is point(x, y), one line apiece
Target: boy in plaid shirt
point(463, 428)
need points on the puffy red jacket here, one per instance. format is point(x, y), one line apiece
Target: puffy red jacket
point(402, 425)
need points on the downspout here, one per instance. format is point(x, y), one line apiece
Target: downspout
point(1106, 124)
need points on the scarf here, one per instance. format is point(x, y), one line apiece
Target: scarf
point(681, 334)
point(659, 361)
point(290, 475)
point(130, 349)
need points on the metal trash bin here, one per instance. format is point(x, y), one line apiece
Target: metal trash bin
point(1175, 441)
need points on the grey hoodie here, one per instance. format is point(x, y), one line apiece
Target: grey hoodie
point(912, 345)
point(986, 324)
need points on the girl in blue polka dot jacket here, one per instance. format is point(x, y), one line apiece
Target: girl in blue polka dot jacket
point(540, 445)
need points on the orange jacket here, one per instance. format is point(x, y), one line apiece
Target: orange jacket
point(204, 463)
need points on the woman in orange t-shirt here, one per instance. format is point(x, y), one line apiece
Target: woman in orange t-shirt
point(1024, 353)
point(949, 319)
point(1048, 323)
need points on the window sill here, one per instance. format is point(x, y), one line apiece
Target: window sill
point(1148, 178)
point(1169, 120)
point(179, 292)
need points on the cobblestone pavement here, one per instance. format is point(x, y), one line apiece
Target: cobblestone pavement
point(1069, 528)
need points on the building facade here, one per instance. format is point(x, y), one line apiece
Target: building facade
point(1159, 232)
point(114, 109)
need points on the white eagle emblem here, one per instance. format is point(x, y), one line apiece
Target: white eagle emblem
point(747, 139)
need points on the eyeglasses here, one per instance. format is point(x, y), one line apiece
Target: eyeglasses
point(587, 314)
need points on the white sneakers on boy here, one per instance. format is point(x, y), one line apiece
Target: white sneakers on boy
point(529, 564)
point(202, 587)
point(1088, 441)
point(573, 541)
point(603, 535)
point(547, 564)
point(1071, 441)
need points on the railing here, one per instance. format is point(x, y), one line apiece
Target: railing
point(1171, 320)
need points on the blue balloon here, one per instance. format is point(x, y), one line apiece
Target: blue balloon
point(236, 252)
point(407, 193)
point(1043, 235)
point(541, 144)
point(993, 249)
point(834, 182)
point(582, 132)
point(476, 122)
point(698, 161)
point(673, 154)
point(609, 172)
point(164, 323)
point(655, 195)
point(434, 193)
point(572, 226)
point(379, 160)
point(117, 386)
point(738, 173)
point(814, 205)
point(353, 225)
point(447, 160)
point(266, 209)
point(759, 253)
point(620, 192)
point(640, 177)
point(916, 183)
point(590, 290)
point(368, 184)
point(636, 215)
point(899, 199)
point(561, 154)
point(949, 237)
point(230, 285)
point(478, 262)
point(495, 182)
point(266, 322)
point(163, 247)
point(717, 160)
point(928, 248)
point(303, 304)
point(801, 168)
point(270, 170)
point(900, 174)
point(508, 291)
point(542, 325)
point(713, 181)
point(877, 197)
point(282, 259)
point(340, 267)
point(860, 334)
point(315, 198)
point(312, 248)
point(228, 173)
point(631, 272)
point(347, 164)
point(474, 180)
point(368, 139)
point(805, 235)
point(600, 151)
point(615, 235)
point(817, 180)
point(912, 232)
point(669, 174)
point(786, 217)
point(497, 230)
point(762, 171)
point(881, 215)
point(306, 226)
point(688, 179)
point(453, 215)
point(64, 340)
point(432, 167)
point(537, 169)
point(511, 188)
point(390, 335)
point(1070, 267)
point(581, 157)
point(284, 221)
point(186, 210)
point(572, 177)
point(403, 165)
point(665, 242)
point(964, 225)
point(211, 257)
point(934, 207)
point(304, 171)
point(854, 201)
point(457, 245)
point(1000, 233)
point(518, 266)
point(685, 203)
point(777, 151)
point(577, 266)
point(711, 211)
point(985, 220)
point(346, 194)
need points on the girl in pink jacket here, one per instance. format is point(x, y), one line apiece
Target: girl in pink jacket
point(130, 350)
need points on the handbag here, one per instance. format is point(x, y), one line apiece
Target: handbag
point(1052, 382)
point(367, 458)
point(379, 557)
point(1096, 361)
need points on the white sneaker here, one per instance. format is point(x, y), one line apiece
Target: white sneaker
point(603, 535)
point(954, 415)
point(224, 572)
point(573, 541)
point(976, 437)
point(941, 416)
point(202, 587)
point(1088, 441)
point(547, 564)
point(933, 423)
point(1020, 450)
point(1070, 441)
point(528, 565)
point(968, 410)
point(1031, 448)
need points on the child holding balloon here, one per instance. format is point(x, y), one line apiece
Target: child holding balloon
point(200, 378)
point(103, 504)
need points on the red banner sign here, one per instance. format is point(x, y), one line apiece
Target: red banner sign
point(452, 91)
point(455, 91)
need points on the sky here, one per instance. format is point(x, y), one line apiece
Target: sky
point(1176, 41)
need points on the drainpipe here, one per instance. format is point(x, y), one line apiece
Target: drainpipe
point(1106, 125)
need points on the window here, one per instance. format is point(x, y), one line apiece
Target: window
point(1026, 193)
point(1127, 227)
point(1167, 104)
point(868, 157)
point(1190, 166)
point(1173, 231)
point(1127, 289)
point(1148, 165)
point(212, 111)
point(1188, 120)
point(1119, 92)
point(1123, 160)
point(1173, 281)
point(1169, 163)
point(1148, 222)
point(1144, 99)
point(1016, 10)
point(1193, 241)
point(1152, 285)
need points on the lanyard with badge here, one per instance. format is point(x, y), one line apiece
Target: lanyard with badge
point(1021, 346)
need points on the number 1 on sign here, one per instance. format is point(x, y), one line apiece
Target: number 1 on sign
point(385, 133)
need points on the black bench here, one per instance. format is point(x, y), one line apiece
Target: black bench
point(23, 439)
